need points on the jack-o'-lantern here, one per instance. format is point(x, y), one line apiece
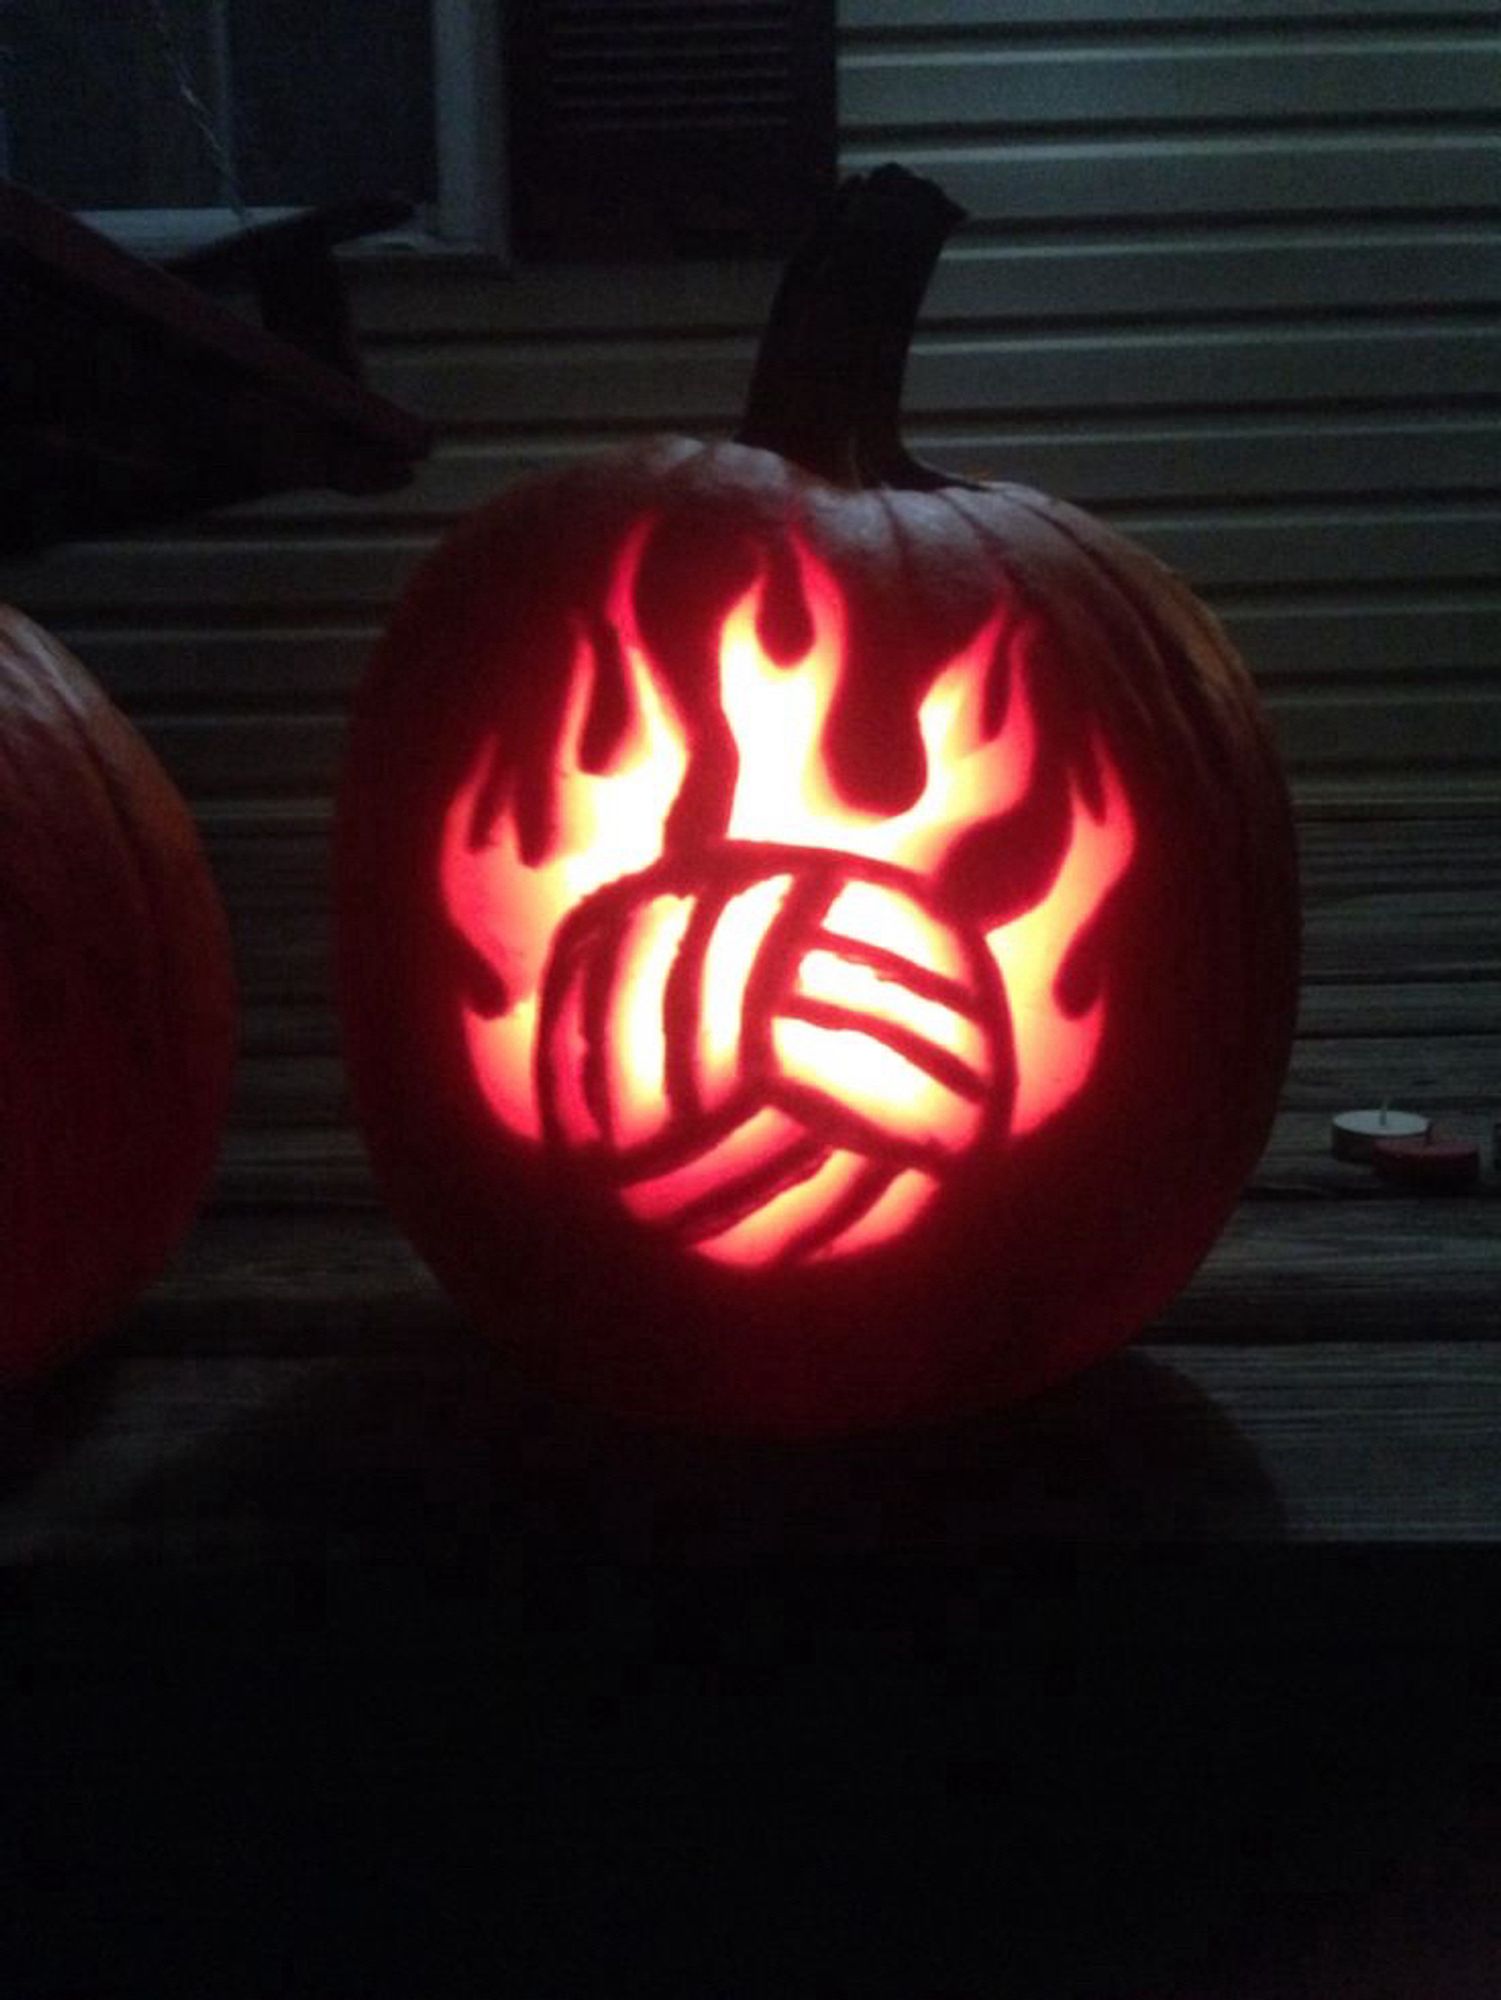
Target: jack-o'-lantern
point(818, 939)
point(117, 1007)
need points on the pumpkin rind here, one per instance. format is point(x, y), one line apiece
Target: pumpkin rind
point(1071, 1239)
point(117, 1007)
point(1073, 1211)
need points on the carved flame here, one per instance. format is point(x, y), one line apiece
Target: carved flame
point(1055, 1051)
point(778, 716)
point(607, 824)
point(884, 1016)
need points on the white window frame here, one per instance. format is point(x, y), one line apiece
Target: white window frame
point(469, 214)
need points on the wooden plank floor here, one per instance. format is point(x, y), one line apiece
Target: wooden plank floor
point(335, 1663)
point(1333, 1373)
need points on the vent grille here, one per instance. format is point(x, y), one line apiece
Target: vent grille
point(644, 127)
point(627, 67)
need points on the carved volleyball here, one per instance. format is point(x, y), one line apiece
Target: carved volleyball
point(779, 1056)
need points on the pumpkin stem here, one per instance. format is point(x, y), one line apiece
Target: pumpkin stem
point(826, 389)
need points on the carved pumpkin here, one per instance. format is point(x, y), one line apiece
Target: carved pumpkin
point(117, 1007)
point(818, 939)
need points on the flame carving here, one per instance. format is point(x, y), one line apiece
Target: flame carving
point(608, 824)
point(778, 715)
point(778, 1045)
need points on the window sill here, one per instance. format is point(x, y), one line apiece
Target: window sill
point(158, 235)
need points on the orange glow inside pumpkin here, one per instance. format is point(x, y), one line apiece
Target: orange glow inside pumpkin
point(818, 1121)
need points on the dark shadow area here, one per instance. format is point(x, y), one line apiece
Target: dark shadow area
point(43, 1420)
point(1056, 1775)
point(444, 1455)
point(422, 1443)
point(547, 1707)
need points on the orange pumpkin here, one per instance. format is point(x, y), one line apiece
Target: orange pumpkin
point(117, 1007)
point(818, 939)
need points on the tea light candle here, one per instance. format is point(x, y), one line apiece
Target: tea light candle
point(1428, 1163)
point(1353, 1135)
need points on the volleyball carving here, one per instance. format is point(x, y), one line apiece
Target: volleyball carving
point(784, 1065)
point(776, 1043)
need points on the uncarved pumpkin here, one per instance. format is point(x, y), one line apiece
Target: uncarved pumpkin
point(818, 938)
point(117, 1007)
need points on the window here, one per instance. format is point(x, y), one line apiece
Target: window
point(166, 122)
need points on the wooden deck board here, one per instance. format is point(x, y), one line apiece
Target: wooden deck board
point(296, 1385)
point(414, 1434)
point(299, 1384)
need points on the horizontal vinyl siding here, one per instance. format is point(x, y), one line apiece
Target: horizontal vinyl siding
point(1250, 272)
point(611, 387)
point(1135, 19)
point(1231, 280)
point(1240, 80)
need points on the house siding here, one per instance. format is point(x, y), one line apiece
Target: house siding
point(1230, 279)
